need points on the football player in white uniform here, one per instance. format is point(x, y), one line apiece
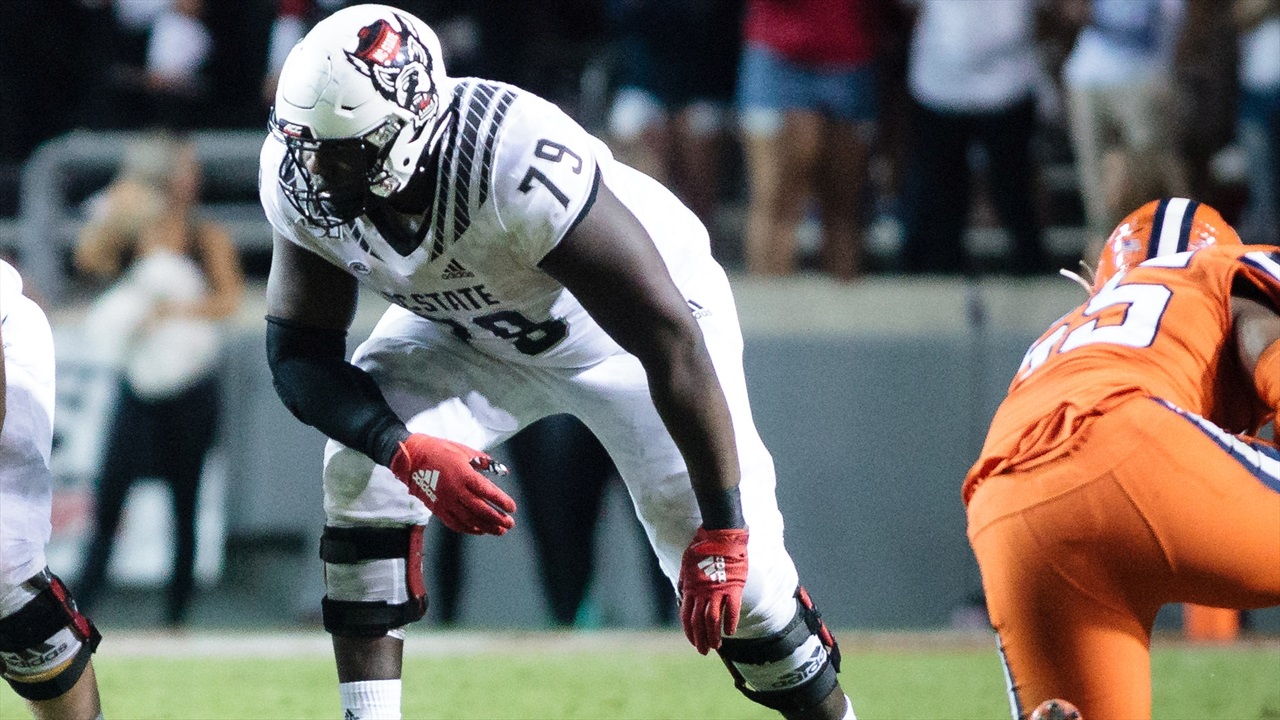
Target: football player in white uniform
point(45, 643)
point(530, 274)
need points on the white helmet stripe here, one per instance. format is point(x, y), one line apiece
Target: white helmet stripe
point(1169, 240)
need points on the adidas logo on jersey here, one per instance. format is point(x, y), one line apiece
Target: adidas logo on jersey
point(455, 271)
point(714, 568)
point(426, 480)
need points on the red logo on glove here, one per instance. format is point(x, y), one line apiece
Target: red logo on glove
point(446, 477)
point(713, 573)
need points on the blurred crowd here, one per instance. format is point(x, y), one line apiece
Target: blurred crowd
point(839, 136)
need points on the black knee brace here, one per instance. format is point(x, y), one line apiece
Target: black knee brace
point(349, 546)
point(46, 645)
point(790, 671)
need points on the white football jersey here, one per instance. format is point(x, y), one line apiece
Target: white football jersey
point(513, 175)
point(26, 486)
point(29, 372)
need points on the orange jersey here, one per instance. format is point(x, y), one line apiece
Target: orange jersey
point(1162, 329)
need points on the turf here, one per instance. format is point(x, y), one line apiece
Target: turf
point(534, 678)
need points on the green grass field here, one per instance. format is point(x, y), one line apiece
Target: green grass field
point(620, 675)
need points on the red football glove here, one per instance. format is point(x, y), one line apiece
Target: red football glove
point(443, 475)
point(713, 572)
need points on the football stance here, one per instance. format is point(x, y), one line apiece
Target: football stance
point(45, 642)
point(1119, 473)
point(529, 273)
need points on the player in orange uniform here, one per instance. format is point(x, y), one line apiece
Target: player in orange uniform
point(1114, 478)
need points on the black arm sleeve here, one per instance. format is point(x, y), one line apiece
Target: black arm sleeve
point(317, 384)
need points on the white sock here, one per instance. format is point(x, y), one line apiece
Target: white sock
point(848, 709)
point(370, 700)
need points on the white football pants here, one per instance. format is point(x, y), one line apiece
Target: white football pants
point(447, 389)
point(26, 485)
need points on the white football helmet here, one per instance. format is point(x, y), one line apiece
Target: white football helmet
point(357, 104)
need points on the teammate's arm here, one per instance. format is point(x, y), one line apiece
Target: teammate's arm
point(310, 307)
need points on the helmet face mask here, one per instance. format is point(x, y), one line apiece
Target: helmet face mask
point(356, 107)
point(329, 181)
point(1160, 228)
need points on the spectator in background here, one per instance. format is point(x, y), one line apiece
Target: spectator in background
point(563, 473)
point(178, 50)
point(676, 64)
point(1259, 131)
point(164, 60)
point(53, 60)
point(1124, 126)
point(175, 276)
point(973, 74)
point(807, 97)
point(889, 156)
point(539, 45)
point(1207, 92)
point(293, 19)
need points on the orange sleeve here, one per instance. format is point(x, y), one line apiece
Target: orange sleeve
point(1262, 270)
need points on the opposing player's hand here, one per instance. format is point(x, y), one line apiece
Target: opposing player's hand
point(446, 477)
point(713, 572)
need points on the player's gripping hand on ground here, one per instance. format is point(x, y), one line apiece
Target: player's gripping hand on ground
point(713, 572)
point(446, 477)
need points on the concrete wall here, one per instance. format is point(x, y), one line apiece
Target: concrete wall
point(873, 410)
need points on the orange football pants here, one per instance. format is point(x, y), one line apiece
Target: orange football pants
point(1147, 507)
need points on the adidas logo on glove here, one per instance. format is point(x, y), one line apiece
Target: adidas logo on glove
point(426, 480)
point(714, 568)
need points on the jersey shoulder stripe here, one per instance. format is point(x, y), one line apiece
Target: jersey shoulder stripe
point(1267, 262)
point(463, 175)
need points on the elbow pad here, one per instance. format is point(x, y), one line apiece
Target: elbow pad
point(316, 383)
